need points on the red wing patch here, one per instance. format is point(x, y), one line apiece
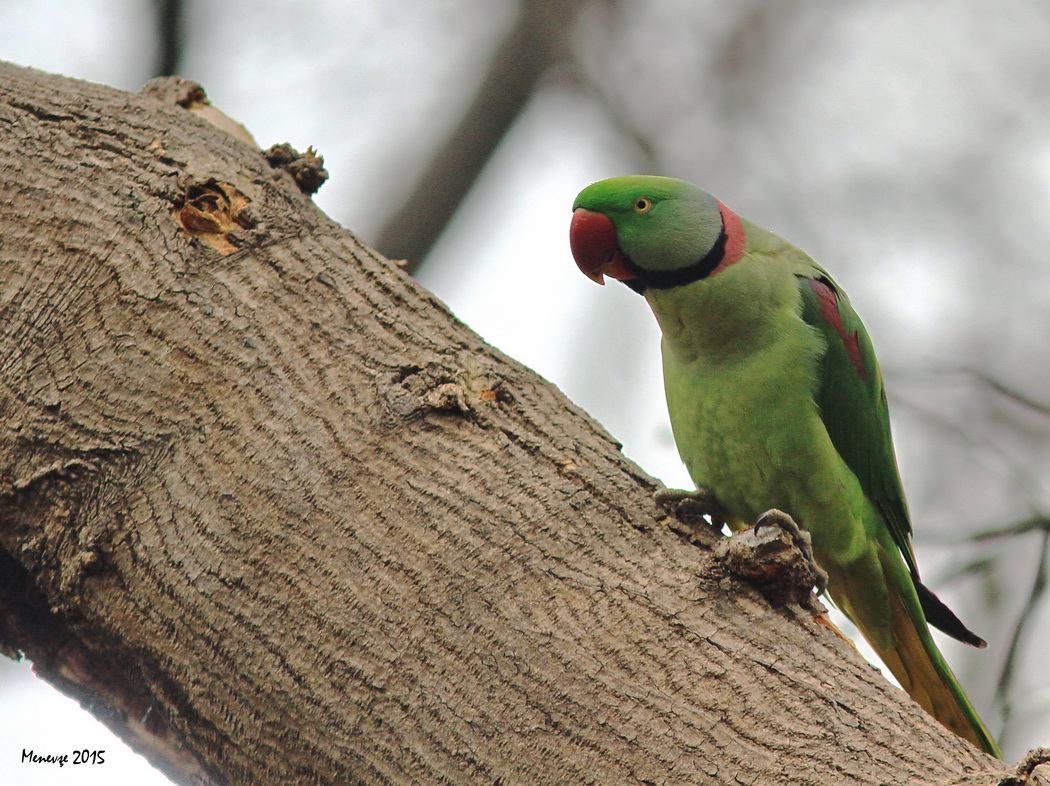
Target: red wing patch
point(829, 308)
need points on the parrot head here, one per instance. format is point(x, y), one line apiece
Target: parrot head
point(652, 232)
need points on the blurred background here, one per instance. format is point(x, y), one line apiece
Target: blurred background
point(904, 145)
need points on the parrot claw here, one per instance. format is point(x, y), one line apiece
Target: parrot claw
point(776, 556)
point(803, 541)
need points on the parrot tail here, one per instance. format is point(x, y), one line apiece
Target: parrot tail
point(910, 652)
point(922, 671)
point(943, 618)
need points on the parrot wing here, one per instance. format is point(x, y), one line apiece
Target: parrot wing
point(852, 403)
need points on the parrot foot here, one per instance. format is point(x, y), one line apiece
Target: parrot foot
point(698, 513)
point(776, 555)
point(803, 542)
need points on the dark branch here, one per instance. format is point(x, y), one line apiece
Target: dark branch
point(1033, 524)
point(1016, 396)
point(170, 37)
point(532, 45)
point(1006, 676)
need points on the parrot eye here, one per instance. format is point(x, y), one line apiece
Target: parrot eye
point(642, 205)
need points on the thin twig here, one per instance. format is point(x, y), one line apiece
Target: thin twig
point(982, 378)
point(1006, 676)
point(1008, 392)
point(1033, 524)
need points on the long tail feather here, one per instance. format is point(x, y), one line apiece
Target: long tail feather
point(922, 671)
point(944, 619)
point(878, 589)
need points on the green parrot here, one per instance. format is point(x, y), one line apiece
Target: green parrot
point(776, 402)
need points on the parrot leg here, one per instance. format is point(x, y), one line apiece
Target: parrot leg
point(803, 540)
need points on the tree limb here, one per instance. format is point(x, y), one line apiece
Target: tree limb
point(521, 59)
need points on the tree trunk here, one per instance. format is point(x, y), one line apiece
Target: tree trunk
point(274, 515)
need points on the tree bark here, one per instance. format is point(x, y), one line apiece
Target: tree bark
point(275, 516)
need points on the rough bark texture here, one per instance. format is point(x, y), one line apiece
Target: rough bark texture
point(275, 516)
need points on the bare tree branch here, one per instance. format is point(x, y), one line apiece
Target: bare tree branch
point(170, 37)
point(532, 45)
point(1005, 390)
point(620, 118)
point(1013, 651)
point(1033, 524)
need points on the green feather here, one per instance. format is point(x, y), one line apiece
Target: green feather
point(853, 408)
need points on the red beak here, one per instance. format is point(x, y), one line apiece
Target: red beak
point(592, 238)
